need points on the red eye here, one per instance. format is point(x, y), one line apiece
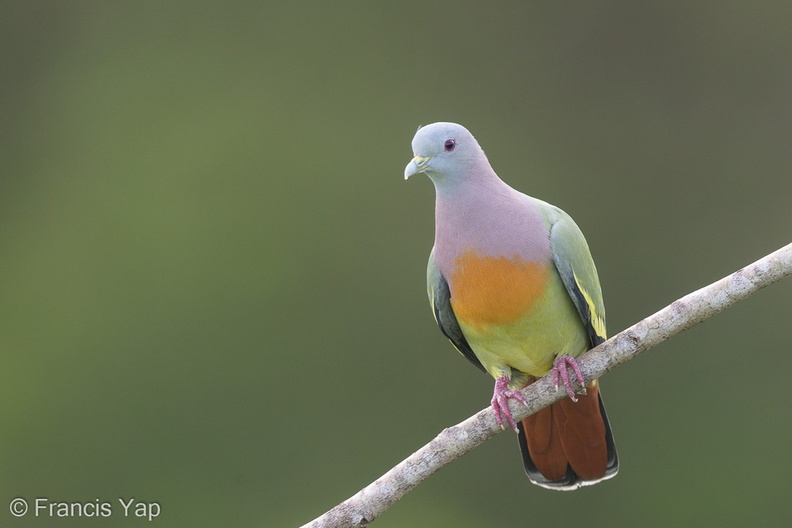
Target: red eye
point(449, 145)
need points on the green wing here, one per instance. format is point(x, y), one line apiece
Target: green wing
point(440, 298)
point(573, 261)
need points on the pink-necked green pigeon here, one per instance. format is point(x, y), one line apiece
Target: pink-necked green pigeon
point(512, 284)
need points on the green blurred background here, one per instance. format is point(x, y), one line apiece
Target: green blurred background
point(213, 272)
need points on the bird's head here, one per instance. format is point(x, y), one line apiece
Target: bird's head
point(443, 151)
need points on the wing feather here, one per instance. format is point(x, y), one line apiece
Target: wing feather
point(440, 298)
point(573, 261)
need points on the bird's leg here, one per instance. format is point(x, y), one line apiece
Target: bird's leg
point(560, 370)
point(500, 401)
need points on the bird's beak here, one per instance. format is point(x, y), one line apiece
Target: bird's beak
point(416, 165)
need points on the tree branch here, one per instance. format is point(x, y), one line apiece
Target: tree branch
point(453, 442)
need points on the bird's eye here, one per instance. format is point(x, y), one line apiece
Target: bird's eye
point(449, 145)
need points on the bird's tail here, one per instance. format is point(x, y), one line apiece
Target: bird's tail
point(568, 444)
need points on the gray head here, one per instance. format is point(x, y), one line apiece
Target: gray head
point(444, 150)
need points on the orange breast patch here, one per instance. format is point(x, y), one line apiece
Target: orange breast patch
point(495, 290)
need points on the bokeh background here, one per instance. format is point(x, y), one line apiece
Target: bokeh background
point(212, 272)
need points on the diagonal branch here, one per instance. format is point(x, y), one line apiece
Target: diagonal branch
point(453, 442)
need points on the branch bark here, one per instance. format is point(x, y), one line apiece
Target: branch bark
point(453, 442)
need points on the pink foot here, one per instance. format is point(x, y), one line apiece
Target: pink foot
point(500, 401)
point(560, 370)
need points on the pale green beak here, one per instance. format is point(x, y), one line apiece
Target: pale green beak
point(416, 165)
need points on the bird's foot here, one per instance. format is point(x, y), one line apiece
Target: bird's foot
point(500, 402)
point(560, 366)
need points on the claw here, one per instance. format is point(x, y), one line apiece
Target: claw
point(560, 366)
point(500, 402)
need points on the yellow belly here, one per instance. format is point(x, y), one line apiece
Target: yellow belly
point(517, 316)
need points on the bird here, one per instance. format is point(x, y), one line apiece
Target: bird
point(513, 286)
